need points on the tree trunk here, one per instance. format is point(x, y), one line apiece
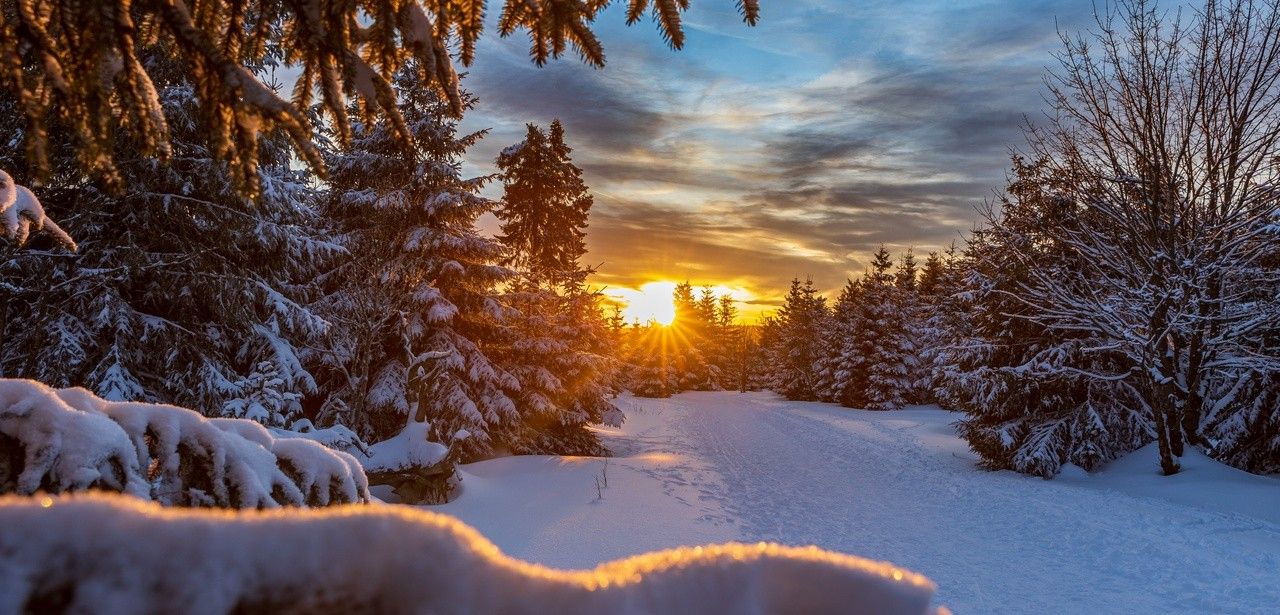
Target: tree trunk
point(1168, 466)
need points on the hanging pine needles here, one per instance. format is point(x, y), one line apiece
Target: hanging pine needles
point(76, 63)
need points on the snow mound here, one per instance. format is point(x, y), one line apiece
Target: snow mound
point(416, 469)
point(72, 440)
point(1203, 483)
point(106, 553)
point(406, 450)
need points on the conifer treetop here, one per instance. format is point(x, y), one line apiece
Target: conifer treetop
point(81, 64)
point(545, 207)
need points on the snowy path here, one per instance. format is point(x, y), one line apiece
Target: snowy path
point(703, 467)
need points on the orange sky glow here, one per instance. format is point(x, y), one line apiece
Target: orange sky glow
point(652, 301)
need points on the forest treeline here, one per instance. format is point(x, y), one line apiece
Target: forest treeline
point(1123, 289)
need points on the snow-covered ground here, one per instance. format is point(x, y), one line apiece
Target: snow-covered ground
point(897, 486)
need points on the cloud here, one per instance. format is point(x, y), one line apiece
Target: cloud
point(796, 148)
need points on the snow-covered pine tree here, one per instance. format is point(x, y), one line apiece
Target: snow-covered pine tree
point(942, 318)
point(768, 348)
point(181, 289)
point(1023, 414)
point(910, 335)
point(796, 342)
point(559, 350)
point(619, 341)
point(841, 362)
point(544, 209)
point(733, 345)
point(559, 344)
point(1243, 426)
point(882, 381)
point(58, 45)
point(650, 356)
point(415, 304)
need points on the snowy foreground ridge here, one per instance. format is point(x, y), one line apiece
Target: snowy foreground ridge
point(112, 553)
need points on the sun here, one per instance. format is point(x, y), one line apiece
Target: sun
point(652, 302)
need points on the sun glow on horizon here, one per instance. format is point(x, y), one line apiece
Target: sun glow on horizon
point(652, 302)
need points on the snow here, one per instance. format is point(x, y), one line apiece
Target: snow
point(408, 449)
point(73, 440)
point(1202, 483)
point(21, 213)
point(106, 553)
point(896, 486)
point(64, 447)
point(337, 437)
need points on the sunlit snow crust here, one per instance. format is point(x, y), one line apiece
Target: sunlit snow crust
point(111, 553)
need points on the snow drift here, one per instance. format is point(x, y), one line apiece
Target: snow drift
point(108, 553)
point(71, 440)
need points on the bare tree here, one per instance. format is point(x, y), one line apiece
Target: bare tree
point(1163, 151)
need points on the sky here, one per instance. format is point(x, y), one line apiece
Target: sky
point(792, 149)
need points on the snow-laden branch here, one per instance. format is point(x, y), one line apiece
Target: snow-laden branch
point(72, 440)
point(111, 553)
point(21, 213)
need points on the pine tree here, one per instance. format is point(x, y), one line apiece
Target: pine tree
point(690, 333)
point(910, 337)
point(943, 317)
point(841, 361)
point(182, 292)
point(797, 341)
point(415, 304)
point(544, 209)
point(1021, 415)
point(651, 354)
point(883, 381)
point(732, 345)
point(559, 347)
point(768, 350)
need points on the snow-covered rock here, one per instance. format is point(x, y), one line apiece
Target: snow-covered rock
point(72, 440)
point(108, 553)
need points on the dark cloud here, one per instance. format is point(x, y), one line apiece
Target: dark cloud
point(590, 101)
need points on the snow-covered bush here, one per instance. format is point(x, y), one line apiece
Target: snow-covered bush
point(71, 440)
point(106, 553)
point(48, 445)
